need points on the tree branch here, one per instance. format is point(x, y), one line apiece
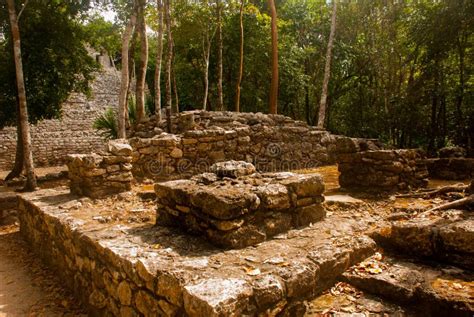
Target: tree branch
point(22, 9)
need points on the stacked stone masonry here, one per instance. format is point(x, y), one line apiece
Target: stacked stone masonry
point(96, 175)
point(382, 170)
point(138, 269)
point(271, 142)
point(54, 139)
point(235, 207)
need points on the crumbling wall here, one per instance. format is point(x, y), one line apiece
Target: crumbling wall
point(382, 170)
point(97, 175)
point(271, 142)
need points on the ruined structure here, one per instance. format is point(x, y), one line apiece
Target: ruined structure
point(97, 175)
point(235, 207)
point(271, 142)
point(383, 170)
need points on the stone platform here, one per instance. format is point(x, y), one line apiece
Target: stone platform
point(235, 207)
point(127, 268)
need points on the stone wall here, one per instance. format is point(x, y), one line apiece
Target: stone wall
point(54, 139)
point(458, 168)
point(382, 170)
point(235, 207)
point(96, 175)
point(271, 142)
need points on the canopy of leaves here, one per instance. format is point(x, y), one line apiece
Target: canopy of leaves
point(55, 59)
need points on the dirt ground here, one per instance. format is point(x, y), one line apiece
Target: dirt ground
point(27, 288)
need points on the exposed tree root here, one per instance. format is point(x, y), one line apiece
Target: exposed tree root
point(463, 202)
point(439, 191)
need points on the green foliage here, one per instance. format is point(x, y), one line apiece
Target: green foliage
point(103, 35)
point(55, 60)
point(106, 124)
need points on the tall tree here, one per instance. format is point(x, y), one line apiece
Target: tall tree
point(22, 107)
point(220, 96)
point(142, 66)
point(169, 57)
point(207, 36)
point(159, 56)
point(241, 56)
point(327, 68)
point(123, 102)
point(273, 103)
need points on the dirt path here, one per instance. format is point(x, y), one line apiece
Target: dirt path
point(27, 288)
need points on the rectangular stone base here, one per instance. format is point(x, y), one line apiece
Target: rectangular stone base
point(235, 212)
point(125, 269)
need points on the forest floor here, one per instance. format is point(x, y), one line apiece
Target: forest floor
point(27, 287)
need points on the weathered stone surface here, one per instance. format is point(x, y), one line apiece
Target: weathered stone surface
point(237, 212)
point(178, 266)
point(232, 169)
point(455, 168)
point(443, 291)
point(119, 148)
point(449, 239)
point(97, 175)
point(382, 170)
point(217, 297)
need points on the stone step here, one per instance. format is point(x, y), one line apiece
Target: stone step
point(446, 236)
point(430, 289)
point(344, 300)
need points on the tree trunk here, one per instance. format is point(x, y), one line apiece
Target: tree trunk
point(241, 65)
point(327, 68)
point(206, 52)
point(19, 157)
point(169, 56)
point(175, 86)
point(141, 74)
point(220, 97)
point(23, 110)
point(274, 83)
point(123, 107)
point(159, 54)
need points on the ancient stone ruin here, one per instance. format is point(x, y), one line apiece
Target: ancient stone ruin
point(97, 175)
point(235, 207)
point(271, 142)
point(223, 218)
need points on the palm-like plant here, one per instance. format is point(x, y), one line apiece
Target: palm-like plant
point(106, 123)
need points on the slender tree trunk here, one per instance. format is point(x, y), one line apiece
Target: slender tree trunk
point(241, 64)
point(123, 108)
point(206, 52)
point(131, 77)
point(169, 55)
point(175, 86)
point(19, 157)
point(23, 110)
point(220, 97)
point(159, 54)
point(327, 68)
point(274, 83)
point(141, 74)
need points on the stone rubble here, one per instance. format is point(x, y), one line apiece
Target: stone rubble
point(95, 175)
point(236, 207)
